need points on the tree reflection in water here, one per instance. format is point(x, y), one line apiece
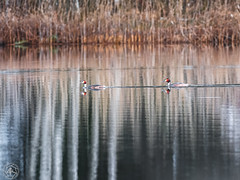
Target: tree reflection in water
point(52, 132)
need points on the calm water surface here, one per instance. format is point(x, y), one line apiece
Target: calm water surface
point(51, 131)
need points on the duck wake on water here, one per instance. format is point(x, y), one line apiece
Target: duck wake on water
point(97, 87)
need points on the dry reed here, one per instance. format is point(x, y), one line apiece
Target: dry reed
point(119, 21)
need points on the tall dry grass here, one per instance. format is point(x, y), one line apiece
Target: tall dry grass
point(119, 21)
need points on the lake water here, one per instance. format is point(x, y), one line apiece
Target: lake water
point(51, 131)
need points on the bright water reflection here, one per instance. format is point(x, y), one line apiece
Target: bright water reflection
point(52, 132)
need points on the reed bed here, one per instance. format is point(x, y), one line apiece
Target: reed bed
point(119, 22)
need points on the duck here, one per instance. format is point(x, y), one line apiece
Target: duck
point(94, 87)
point(174, 85)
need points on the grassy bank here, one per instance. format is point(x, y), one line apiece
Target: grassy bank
point(119, 21)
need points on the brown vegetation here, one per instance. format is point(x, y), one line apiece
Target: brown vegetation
point(119, 21)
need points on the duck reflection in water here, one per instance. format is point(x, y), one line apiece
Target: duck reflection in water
point(84, 93)
point(167, 91)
